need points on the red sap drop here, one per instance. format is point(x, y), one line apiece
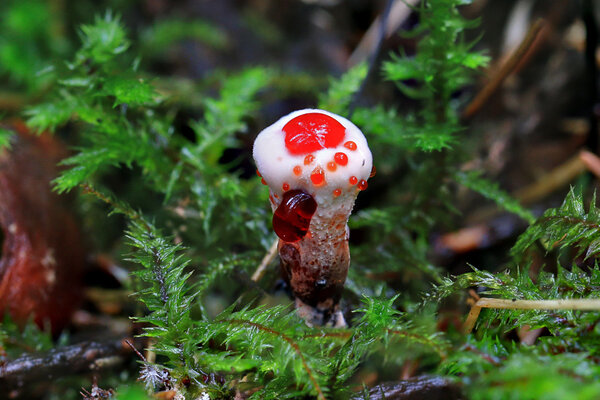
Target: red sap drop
point(311, 132)
point(350, 145)
point(341, 158)
point(318, 176)
point(291, 219)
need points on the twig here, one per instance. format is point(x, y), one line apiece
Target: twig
point(422, 387)
point(262, 267)
point(514, 304)
point(591, 162)
point(373, 58)
point(557, 178)
point(472, 318)
point(63, 361)
point(399, 12)
point(140, 355)
point(488, 90)
point(551, 181)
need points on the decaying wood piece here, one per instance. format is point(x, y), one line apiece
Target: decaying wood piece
point(16, 376)
point(419, 388)
point(42, 256)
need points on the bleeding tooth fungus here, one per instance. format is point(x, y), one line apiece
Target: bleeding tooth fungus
point(315, 163)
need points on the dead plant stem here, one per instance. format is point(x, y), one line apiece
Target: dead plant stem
point(515, 304)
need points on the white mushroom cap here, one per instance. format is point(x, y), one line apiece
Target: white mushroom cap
point(335, 170)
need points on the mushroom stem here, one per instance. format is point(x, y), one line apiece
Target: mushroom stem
point(316, 267)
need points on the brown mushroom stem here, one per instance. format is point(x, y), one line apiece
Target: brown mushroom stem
point(316, 267)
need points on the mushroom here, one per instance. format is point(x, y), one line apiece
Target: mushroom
point(315, 164)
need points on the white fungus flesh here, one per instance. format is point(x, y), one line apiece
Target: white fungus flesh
point(282, 170)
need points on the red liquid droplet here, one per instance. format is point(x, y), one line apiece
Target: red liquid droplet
point(311, 132)
point(341, 158)
point(291, 219)
point(309, 159)
point(297, 170)
point(286, 186)
point(362, 185)
point(331, 166)
point(318, 176)
point(337, 192)
point(353, 180)
point(263, 181)
point(350, 145)
point(258, 174)
point(373, 172)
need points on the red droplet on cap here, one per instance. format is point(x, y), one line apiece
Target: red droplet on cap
point(286, 186)
point(331, 166)
point(263, 181)
point(291, 219)
point(362, 185)
point(350, 145)
point(341, 158)
point(337, 192)
point(318, 176)
point(297, 170)
point(353, 180)
point(309, 159)
point(312, 132)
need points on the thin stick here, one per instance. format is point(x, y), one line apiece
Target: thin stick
point(262, 267)
point(373, 57)
point(20, 374)
point(591, 161)
point(400, 11)
point(140, 355)
point(506, 69)
point(553, 180)
point(567, 304)
point(471, 319)
point(514, 304)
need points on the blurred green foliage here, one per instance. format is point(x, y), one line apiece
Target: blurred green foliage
point(197, 225)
